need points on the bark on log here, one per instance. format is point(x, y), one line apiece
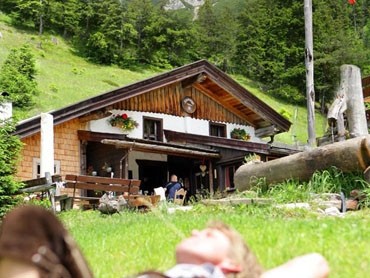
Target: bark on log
point(352, 204)
point(348, 156)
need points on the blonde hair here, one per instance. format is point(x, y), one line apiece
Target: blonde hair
point(239, 252)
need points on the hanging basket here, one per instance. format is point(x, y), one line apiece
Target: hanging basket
point(239, 133)
point(123, 122)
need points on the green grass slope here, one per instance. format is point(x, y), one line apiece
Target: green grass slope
point(62, 76)
point(65, 78)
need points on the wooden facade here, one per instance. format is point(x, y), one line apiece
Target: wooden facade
point(167, 100)
point(66, 150)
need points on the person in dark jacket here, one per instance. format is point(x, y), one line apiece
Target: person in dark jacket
point(172, 187)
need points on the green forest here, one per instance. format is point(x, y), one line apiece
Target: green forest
point(262, 40)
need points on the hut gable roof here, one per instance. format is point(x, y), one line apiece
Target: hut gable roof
point(200, 76)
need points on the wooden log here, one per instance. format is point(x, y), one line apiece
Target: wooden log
point(348, 156)
point(352, 204)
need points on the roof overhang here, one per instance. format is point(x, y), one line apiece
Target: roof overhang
point(161, 149)
point(230, 94)
point(149, 146)
point(185, 144)
point(218, 142)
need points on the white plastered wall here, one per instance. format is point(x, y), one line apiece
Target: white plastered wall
point(174, 123)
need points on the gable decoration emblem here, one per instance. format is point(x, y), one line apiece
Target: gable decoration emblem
point(189, 105)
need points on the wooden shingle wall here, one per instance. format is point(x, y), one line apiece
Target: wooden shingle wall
point(66, 149)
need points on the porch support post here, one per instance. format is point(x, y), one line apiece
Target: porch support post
point(220, 178)
point(47, 144)
point(210, 176)
point(123, 165)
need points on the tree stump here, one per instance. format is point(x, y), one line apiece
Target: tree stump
point(351, 84)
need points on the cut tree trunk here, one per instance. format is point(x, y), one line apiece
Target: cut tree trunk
point(335, 115)
point(349, 101)
point(348, 156)
point(351, 84)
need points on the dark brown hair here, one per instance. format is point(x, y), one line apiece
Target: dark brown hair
point(35, 235)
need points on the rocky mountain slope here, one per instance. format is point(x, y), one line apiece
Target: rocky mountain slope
point(180, 4)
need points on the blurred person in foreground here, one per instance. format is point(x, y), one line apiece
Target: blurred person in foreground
point(219, 251)
point(34, 244)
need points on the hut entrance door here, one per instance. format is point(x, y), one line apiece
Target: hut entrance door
point(152, 174)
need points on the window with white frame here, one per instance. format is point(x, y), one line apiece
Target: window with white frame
point(36, 168)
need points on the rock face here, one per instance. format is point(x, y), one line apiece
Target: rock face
point(180, 4)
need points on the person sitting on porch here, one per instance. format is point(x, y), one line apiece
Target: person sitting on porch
point(172, 187)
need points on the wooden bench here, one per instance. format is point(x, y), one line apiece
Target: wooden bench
point(127, 187)
point(47, 186)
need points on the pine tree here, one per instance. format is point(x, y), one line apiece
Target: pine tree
point(9, 153)
point(17, 77)
point(335, 43)
point(216, 32)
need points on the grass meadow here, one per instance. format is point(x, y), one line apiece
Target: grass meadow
point(123, 244)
